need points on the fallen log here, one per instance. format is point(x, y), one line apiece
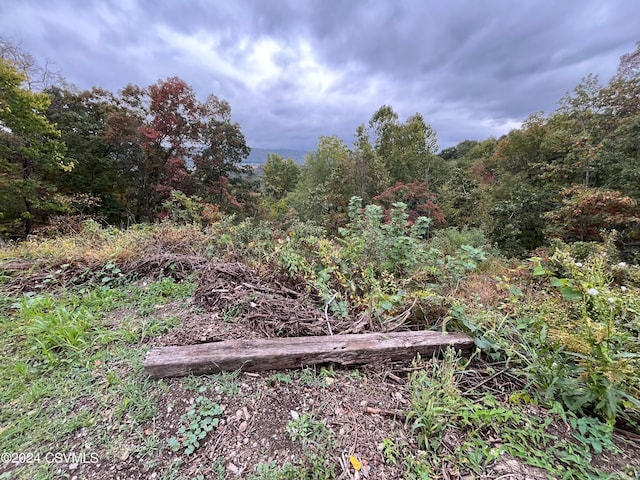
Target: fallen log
point(284, 353)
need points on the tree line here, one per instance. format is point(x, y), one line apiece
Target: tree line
point(147, 153)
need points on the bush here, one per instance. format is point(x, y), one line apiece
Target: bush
point(449, 240)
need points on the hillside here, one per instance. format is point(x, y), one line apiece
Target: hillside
point(83, 309)
point(258, 156)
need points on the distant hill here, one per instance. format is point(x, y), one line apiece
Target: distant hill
point(258, 156)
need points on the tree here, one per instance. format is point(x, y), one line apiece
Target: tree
point(321, 193)
point(36, 76)
point(29, 150)
point(407, 150)
point(587, 212)
point(170, 141)
point(419, 199)
point(368, 173)
point(280, 175)
point(98, 184)
point(458, 151)
point(218, 156)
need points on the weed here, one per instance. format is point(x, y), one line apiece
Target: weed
point(600, 351)
point(310, 378)
point(137, 402)
point(231, 314)
point(227, 382)
point(435, 398)
point(218, 470)
point(314, 465)
point(271, 471)
point(390, 451)
point(202, 417)
point(309, 431)
point(279, 377)
point(439, 408)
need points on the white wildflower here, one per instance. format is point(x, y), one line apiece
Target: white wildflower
point(611, 300)
point(623, 288)
point(593, 292)
point(622, 264)
point(579, 264)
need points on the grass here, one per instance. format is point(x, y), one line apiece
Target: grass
point(62, 363)
point(486, 428)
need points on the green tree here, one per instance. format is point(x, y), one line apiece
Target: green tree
point(98, 183)
point(30, 151)
point(280, 175)
point(321, 193)
point(367, 172)
point(459, 151)
point(407, 150)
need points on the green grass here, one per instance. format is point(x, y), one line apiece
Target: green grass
point(489, 428)
point(61, 363)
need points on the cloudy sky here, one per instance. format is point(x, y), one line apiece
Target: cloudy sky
point(294, 70)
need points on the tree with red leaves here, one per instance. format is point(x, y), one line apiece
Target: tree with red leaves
point(420, 200)
point(587, 212)
point(184, 144)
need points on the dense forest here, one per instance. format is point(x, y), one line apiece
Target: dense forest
point(148, 153)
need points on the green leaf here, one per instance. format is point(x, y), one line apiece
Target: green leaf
point(174, 444)
point(538, 271)
point(482, 343)
point(571, 293)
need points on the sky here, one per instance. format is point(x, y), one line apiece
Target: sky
point(294, 70)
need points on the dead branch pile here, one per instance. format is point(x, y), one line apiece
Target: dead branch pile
point(161, 265)
point(265, 305)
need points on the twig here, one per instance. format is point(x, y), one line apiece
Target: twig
point(326, 312)
point(343, 464)
point(627, 436)
point(395, 378)
point(488, 379)
point(388, 413)
point(400, 319)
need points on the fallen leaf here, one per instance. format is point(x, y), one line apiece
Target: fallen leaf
point(355, 463)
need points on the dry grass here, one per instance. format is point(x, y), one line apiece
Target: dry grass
point(94, 245)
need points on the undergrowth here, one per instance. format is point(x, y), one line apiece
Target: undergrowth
point(566, 324)
point(466, 434)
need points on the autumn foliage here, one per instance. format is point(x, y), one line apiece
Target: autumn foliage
point(586, 213)
point(420, 200)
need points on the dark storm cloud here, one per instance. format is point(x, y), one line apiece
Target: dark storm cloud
point(294, 70)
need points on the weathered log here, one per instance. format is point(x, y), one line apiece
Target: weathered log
point(283, 353)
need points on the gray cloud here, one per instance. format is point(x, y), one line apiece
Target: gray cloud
point(293, 70)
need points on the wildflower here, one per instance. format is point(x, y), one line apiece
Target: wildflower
point(611, 300)
point(593, 292)
point(579, 264)
point(623, 288)
point(622, 264)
